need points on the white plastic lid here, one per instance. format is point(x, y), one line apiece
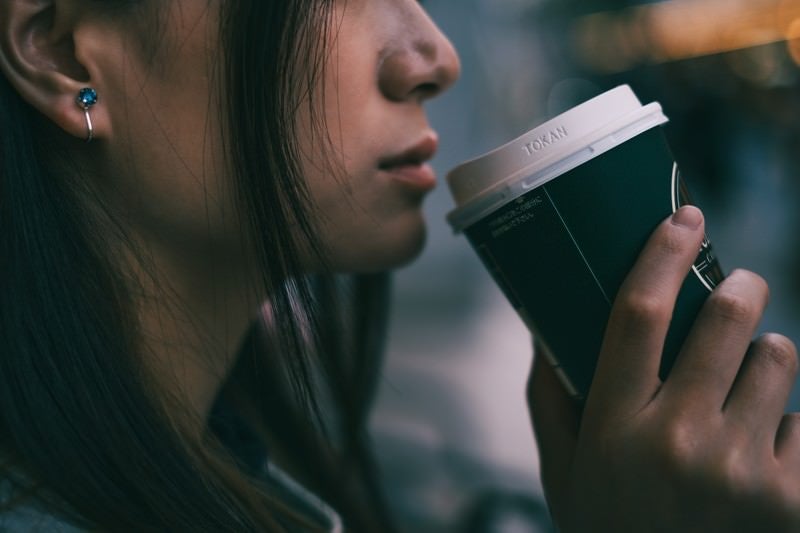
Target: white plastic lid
point(484, 184)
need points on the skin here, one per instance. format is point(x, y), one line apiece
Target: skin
point(710, 448)
point(707, 449)
point(157, 156)
point(389, 59)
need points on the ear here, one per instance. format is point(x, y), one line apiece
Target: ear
point(43, 54)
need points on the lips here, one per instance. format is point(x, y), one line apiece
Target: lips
point(417, 155)
point(410, 167)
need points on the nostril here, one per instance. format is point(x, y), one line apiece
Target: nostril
point(407, 77)
point(427, 90)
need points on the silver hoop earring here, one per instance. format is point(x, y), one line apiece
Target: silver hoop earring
point(87, 98)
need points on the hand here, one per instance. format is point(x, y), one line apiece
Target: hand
point(710, 448)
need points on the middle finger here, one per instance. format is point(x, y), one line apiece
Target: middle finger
point(717, 343)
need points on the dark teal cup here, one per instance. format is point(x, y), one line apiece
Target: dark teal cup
point(559, 216)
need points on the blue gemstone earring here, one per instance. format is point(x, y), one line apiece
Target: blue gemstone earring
point(87, 97)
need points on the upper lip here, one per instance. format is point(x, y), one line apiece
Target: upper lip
point(418, 154)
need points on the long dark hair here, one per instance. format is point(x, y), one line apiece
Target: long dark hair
point(80, 425)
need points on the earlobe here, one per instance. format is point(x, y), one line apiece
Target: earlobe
point(86, 100)
point(38, 57)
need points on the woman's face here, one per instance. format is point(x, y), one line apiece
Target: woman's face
point(385, 59)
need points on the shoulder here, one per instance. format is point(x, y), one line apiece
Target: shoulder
point(27, 516)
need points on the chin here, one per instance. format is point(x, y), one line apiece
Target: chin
point(407, 251)
point(380, 252)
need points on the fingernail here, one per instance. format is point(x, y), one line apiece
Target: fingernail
point(688, 216)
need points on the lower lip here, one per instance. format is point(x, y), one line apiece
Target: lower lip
point(417, 177)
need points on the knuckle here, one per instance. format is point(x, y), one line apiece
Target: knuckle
point(675, 447)
point(731, 471)
point(778, 351)
point(644, 308)
point(727, 471)
point(684, 458)
point(732, 306)
point(752, 284)
point(750, 278)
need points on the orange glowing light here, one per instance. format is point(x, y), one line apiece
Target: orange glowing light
point(793, 40)
point(681, 29)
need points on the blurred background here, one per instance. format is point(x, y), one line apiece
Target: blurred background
point(451, 424)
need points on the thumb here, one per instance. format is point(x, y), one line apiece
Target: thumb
point(556, 421)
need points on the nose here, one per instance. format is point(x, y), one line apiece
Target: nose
point(419, 65)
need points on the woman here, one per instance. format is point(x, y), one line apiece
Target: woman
point(168, 166)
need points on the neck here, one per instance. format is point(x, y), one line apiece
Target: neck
point(194, 313)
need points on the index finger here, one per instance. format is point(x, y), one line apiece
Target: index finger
point(626, 378)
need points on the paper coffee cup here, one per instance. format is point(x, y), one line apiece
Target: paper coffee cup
point(559, 216)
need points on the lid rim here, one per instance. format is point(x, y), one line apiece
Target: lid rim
point(547, 141)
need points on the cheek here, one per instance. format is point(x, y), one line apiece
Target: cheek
point(167, 163)
point(169, 171)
